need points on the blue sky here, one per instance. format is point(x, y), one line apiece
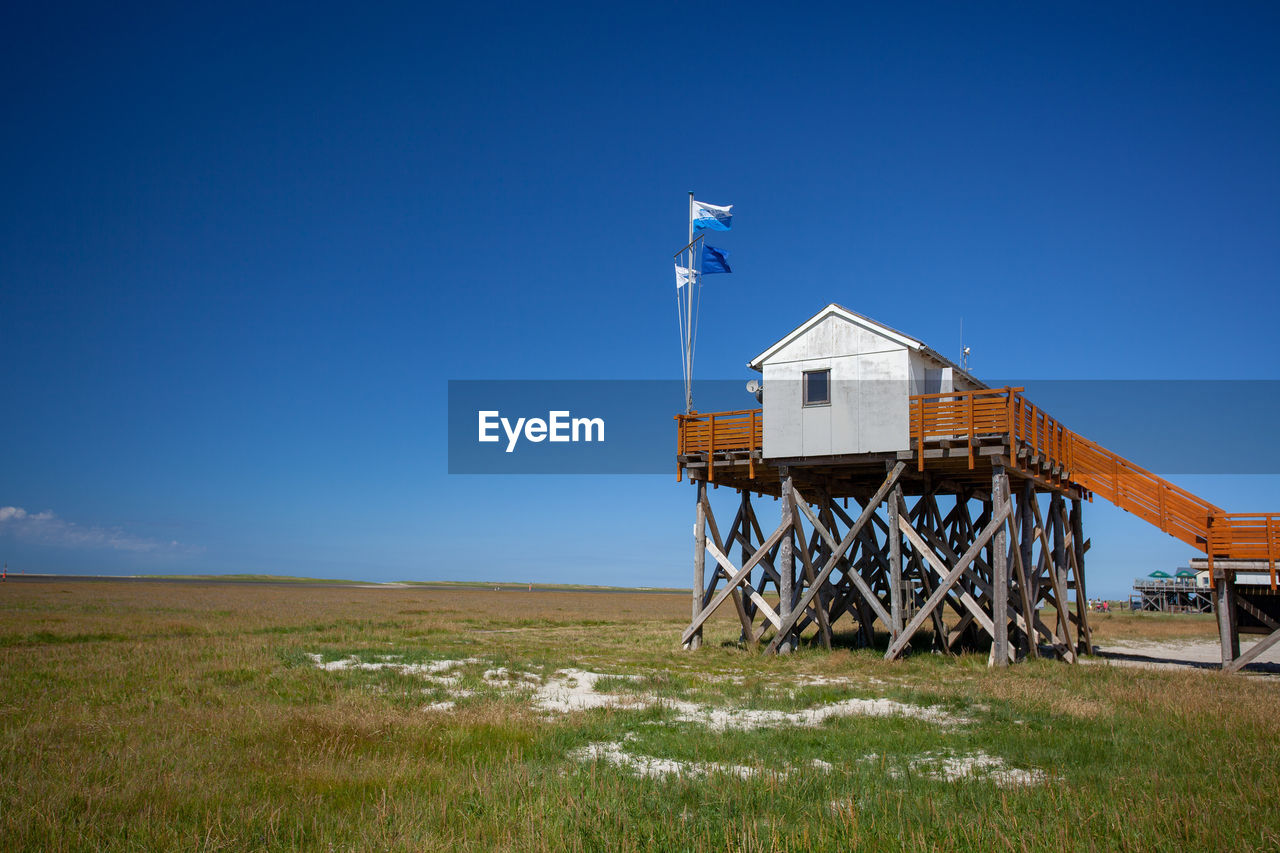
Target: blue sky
point(243, 249)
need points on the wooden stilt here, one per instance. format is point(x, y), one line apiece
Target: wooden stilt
point(895, 565)
point(1000, 570)
point(786, 564)
point(1228, 632)
point(694, 641)
point(806, 552)
point(744, 614)
point(1021, 557)
point(1084, 636)
point(1059, 574)
point(724, 546)
point(1028, 587)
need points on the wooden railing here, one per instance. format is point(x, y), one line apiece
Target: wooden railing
point(1246, 536)
point(1152, 498)
point(960, 415)
point(1068, 456)
point(740, 431)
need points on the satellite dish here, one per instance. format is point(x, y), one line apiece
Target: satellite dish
point(756, 389)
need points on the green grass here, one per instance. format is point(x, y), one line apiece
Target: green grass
point(161, 716)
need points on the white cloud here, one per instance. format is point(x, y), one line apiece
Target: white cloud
point(47, 529)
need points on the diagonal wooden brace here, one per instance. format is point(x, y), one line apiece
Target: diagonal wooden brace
point(948, 580)
point(739, 575)
point(1253, 652)
point(729, 567)
point(838, 551)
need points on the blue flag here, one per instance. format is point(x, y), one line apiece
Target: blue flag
point(714, 260)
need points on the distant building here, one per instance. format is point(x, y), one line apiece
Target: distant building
point(1185, 591)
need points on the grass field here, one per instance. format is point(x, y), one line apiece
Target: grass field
point(228, 717)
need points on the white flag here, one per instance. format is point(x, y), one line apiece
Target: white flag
point(683, 276)
point(717, 217)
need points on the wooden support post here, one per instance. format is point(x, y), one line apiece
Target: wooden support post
point(699, 559)
point(724, 546)
point(1059, 569)
point(1021, 562)
point(895, 565)
point(940, 638)
point(1227, 628)
point(786, 562)
point(1043, 565)
point(1084, 636)
point(744, 615)
point(807, 552)
point(1031, 587)
point(1000, 570)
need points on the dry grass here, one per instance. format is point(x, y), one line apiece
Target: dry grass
point(1127, 625)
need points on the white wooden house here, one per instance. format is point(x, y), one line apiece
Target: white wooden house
point(840, 384)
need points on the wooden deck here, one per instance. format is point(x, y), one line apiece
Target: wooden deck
point(959, 436)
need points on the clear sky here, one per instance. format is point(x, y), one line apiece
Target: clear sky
point(244, 247)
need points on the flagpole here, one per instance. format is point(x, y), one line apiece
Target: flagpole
point(688, 379)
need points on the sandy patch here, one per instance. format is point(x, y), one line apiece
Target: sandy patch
point(440, 706)
point(512, 680)
point(952, 767)
point(740, 719)
point(976, 765)
point(657, 768)
point(660, 768)
point(570, 690)
point(390, 662)
point(575, 690)
point(1181, 654)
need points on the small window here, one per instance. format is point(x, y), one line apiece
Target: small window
point(817, 388)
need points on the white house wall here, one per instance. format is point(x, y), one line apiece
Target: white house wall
point(834, 336)
point(782, 406)
point(882, 409)
point(870, 383)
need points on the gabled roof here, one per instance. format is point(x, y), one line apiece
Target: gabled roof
point(862, 320)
